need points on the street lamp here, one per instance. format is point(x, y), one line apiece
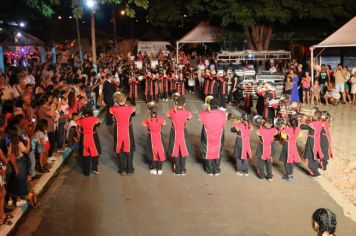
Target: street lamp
point(22, 24)
point(91, 4)
point(122, 12)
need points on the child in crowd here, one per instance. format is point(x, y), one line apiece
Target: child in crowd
point(41, 144)
point(315, 93)
point(288, 87)
point(306, 88)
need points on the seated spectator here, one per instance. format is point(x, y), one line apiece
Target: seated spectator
point(332, 95)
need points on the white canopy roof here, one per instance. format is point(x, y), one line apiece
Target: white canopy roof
point(202, 33)
point(343, 37)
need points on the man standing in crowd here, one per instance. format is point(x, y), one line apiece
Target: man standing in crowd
point(108, 92)
point(340, 82)
point(212, 137)
point(123, 134)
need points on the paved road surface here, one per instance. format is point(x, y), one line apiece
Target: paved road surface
point(195, 204)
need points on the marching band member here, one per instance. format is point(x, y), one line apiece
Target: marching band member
point(156, 87)
point(207, 81)
point(313, 153)
point(264, 149)
point(109, 89)
point(123, 134)
point(155, 148)
point(325, 140)
point(148, 86)
point(242, 150)
point(180, 84)
point(248, 98)
point(212, 137)
point(164, 85)
point(133, 83)
point(269, 108)
point(89, 144)
point(289, 153)
point(179, 138)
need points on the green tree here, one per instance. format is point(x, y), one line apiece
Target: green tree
point(258, 17)
point(45, 7)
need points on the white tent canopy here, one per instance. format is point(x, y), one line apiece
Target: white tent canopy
point(202, 33)
point(343, 37)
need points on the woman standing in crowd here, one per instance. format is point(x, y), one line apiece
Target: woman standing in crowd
point(40, 146)
point(353, 85)
point(89, 144)
point(17, 183)
point(294, 94)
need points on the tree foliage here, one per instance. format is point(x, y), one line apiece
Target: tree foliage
point(166, 12)
point(257, 17)
point(45, 7)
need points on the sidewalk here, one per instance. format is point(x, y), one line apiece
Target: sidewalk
point(38, 186)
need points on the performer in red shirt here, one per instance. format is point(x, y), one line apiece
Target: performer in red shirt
point(155, 147)
point(313, 153)
point(179, 138)
point(289, 153)
point(264, 149)
point(207, 81)
point(325, 140)
point(212, 137)
point(164, 85)
point(242, 151)
point(89, 144)
point(123, 134)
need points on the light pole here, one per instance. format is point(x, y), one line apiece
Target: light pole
point(92, 6)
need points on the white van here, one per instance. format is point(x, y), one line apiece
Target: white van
point(154, 47)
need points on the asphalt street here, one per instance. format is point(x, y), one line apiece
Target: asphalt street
point(195, 204)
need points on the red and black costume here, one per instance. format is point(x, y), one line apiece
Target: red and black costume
point(124, 137)
point(155, 147)
point(269, 109)
point(180, 85)
point(207, 81)
point(178, 147)
point(149, 89)
point(133, 83)
point(248, 97)
point(212, 139)
point(89, 144)
point(264, 151)
point(242, 150)
point(289, 153)
point(325, 144)
point(313, 153)
point(164, 86)
point(156, 87)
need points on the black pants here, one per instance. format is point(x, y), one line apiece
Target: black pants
point(52, 141)
point(313, 167)
point(133, 100)
point(212, 166)
point(262, 165)
point(179, 164)
point(325, 163)
point(242, 165)
point(288, 167)
point(156, 98)
point(60, 134)
point(86, 164)
point(191, 88)
point(149, 98)
point(157, 165)
point(108, 116)
point(165, 95)
point(125, 162)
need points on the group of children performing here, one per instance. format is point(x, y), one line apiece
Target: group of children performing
point(213, 119)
